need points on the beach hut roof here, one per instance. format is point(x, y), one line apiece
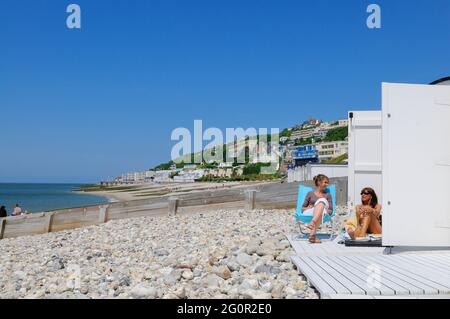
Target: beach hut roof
point(443, 81)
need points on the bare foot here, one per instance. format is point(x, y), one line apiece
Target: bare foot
point(351, 233)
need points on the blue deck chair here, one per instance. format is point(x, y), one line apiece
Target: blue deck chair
point(302, 219)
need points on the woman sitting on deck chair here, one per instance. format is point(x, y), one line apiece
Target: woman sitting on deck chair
point(368, 216)
point(316, 204)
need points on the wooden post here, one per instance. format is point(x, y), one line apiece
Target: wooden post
point(250, 199)
point(103, 214)
point(48, 222)
point(2, 227)
point(173, 206)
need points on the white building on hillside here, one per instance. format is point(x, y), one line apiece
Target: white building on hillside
point(303, 134)
point(343, 122)
point(162, 176)
point(330, 150)
point(189, 176)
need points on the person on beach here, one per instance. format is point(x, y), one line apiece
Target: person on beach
point(3, 212)
point(368, 216)
point(17, 210)
point(316, 204)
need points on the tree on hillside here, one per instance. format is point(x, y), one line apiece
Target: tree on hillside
point(286, 132)
point(336, 134)
point(163, 166)
point(180, 165)
point(307, 141)
point(254, 169)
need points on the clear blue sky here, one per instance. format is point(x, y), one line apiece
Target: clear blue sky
point(89, 104)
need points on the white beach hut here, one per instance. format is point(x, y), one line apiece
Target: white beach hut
point(403, 152)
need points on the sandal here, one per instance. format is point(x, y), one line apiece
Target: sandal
point(314, 240)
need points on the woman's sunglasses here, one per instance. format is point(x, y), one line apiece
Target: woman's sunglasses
point(365, 193)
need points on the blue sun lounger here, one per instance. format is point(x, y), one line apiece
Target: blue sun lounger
point(302, 219)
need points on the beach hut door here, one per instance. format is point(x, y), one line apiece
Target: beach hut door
point(416, 165)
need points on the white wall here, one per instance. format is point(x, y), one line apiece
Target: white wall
point(307, 173)
point(416, 165)
point(328, 170)
point(364, 155)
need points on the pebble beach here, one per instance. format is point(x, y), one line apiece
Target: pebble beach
point(221, 254)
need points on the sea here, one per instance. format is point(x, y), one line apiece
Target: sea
point(45, 197)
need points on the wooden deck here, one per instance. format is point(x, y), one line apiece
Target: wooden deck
point(330, 248)
point(340, 272)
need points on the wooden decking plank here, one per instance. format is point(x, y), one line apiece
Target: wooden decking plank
point(357, 277)
point(324, 273)
point(358, 274)
point(384, 290)
point(399, 267)
point(333, 248)
point(400, 286)
point(423, 263)
point(338, 276)
point(433, 259)
point(314, 279)
point(445, 257)
point(303, 247)
point(340, 297)
point(296, 245)
point(317, 249)
point(355, 284)
point(430, 260)
point(386, 280)
point(330, 248)
point(419, 274)
point(361, 250)
point(421, 284)
point(306, 248)
point(428, 271)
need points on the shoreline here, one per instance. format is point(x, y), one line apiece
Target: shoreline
point(111, 198)
point(141, 191)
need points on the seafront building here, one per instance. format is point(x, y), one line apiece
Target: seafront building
point(329, 150)
point(163, 176)
point(136, 177)
point(318, 152)
point(305, 154)
point(189, 176)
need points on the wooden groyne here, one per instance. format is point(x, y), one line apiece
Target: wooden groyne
point(267, 196)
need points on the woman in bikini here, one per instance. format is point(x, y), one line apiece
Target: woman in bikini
point(368, 216)
point(316, 204)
